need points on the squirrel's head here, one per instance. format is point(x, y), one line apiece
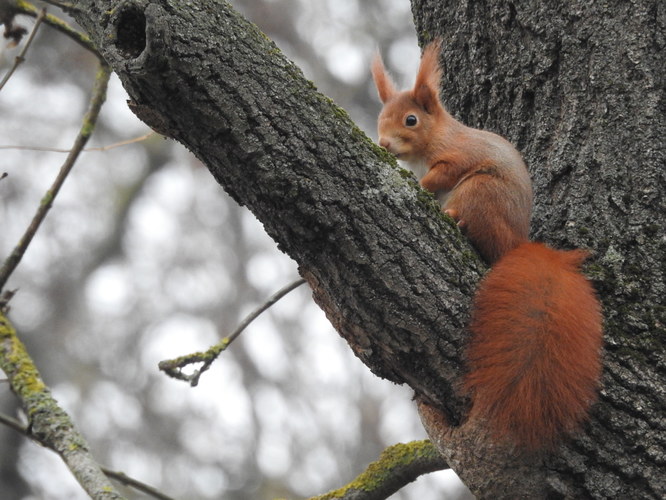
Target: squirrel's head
point(410, 118)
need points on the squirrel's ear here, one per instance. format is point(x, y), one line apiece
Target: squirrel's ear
point(383, 82)
point(428, 78)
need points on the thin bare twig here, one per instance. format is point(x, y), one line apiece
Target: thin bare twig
point(174, 367)
point(85, 150)
point(21, 56)
point(55, 22)
point(136, 484)
point(14, 424)
point(87, 127)
point(118, 476)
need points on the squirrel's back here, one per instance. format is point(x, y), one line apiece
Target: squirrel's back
point(534, 354)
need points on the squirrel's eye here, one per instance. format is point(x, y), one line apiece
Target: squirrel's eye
point(411, 120)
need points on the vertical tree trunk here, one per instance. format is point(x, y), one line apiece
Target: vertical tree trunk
point(579, 87)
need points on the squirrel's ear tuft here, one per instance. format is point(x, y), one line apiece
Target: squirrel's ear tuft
point(428, 78)
point(383, 82)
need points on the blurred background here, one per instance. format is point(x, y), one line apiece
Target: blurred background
point(144, 257)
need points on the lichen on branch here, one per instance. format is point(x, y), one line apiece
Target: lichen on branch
point(48, 422)
point(397, 466)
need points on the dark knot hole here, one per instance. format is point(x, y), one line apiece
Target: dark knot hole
point(131, 32)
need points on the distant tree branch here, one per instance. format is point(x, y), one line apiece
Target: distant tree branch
point(87, 127)
point(121, 477)
point(13, 423)
point(174, 367)
point(21, 56)
point(397, 466)
point(85, 150)
point(49, 424)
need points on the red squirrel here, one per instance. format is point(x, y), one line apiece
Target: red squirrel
point(478, 177)
point(533, 358)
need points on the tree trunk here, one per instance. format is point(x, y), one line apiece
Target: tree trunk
point(580, 89)
point(393, 276)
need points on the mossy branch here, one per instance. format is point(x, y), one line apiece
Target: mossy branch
point(118, 476)
point(174, 367)
point(397, 466)
point(49, 424)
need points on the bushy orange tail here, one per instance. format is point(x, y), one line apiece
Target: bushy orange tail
point(536, 338)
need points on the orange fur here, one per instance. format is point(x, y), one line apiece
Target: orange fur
point(456, 159)
point(385, 86)
point(536, 329)
point(534, 355)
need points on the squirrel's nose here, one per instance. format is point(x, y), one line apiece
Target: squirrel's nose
point(385, 143)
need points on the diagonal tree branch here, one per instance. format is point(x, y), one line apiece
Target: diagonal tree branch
point(362, 232)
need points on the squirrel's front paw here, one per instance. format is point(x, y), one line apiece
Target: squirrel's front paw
point(453, 213)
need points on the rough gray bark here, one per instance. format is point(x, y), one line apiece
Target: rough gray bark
point(393, 276)
point(579, 87)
